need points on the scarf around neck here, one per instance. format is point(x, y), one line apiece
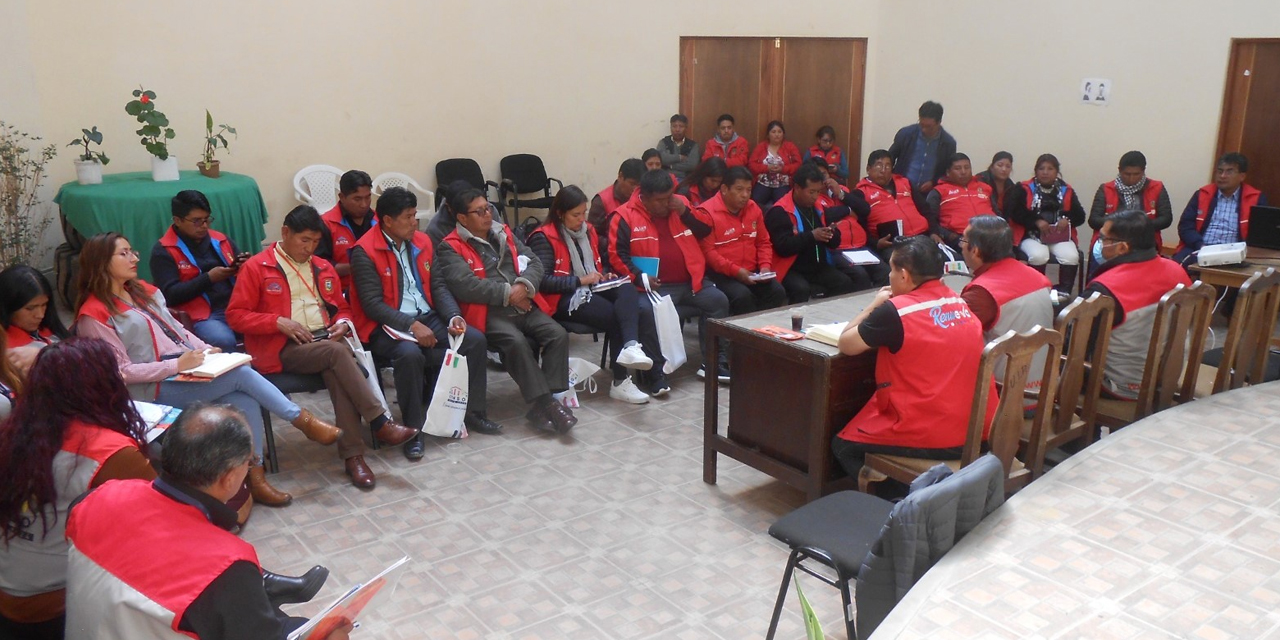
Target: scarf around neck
point(1131, 195)
point(583, 261)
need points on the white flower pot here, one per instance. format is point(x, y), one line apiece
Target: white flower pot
point(88, 172)
point(164, 170)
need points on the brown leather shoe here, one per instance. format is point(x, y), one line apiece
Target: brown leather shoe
point(561, 417)
point(316, 429)
point(392, 433)
point(361, 475)
point(264, 493)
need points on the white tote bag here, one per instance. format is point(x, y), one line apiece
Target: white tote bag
point(580, 372)
point(448, 407)
point(365, 359)
point(670, 335)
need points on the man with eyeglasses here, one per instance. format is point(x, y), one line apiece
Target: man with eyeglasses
point(195, 267)
point(1219, 213)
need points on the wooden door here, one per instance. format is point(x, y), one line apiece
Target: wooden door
point(822, 85)
point(1249, 123)
point(721, 75)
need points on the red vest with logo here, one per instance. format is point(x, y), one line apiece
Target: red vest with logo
point(1112, 198)
point(1029, 188)
point(344, 237)
point(1248, 198)
point(19, 338)
point(782, 264)
point(477, 313)
point(886, 208)
point(735, 241)
point(924, 392)
point(109, 529)
point(644, 240)
point(609, 200)
point(563, 266)
point(388, 267)
point(832, 157)
point(197, 307)
point(1137, 288)
point(960, 203)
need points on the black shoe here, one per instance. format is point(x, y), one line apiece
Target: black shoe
point(413, 449)
point(656, 385)
point(478, 423)
point(722, 373)
point(290, 590)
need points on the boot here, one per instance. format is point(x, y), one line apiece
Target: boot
point(263, 492)
point(1067, 277)
point(293, 590)
point(315, 428)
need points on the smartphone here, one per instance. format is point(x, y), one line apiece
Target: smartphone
point(320, 334)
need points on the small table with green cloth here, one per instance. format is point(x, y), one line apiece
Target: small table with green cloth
point(138, 207)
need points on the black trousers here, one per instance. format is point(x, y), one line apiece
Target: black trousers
point(824, 279)
point(616, 312)
point(47, 630)
point(851, 454)
point(746, 299)
point(417, 367)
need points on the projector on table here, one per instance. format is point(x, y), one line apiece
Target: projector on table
point(1221, 254)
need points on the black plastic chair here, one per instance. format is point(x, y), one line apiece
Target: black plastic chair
point(464, 169)
point(588, 330)
point(524, 173)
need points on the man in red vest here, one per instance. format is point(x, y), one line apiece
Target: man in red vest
point(290, 308)
point(195, 267)
point(801, 236)
point(1132, 273)
point(158, 560)
point(928, 345)
point(394, 296)
point(738, 247)
point(1131, 189)
point(1219, 213)
point(892, 211)
point(347, 222)
point(614, 195)
point(494, 277)
point(956, 198)
point(727, 144)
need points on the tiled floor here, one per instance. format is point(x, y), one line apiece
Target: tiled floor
point(607, 532)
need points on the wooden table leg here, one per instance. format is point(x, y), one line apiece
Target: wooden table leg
point(710, 405)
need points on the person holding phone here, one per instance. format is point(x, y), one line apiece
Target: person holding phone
point(195, 268)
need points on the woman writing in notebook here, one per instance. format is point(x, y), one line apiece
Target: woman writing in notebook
point(151, 347)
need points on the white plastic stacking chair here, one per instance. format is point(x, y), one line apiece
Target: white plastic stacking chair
point(317, 185)
point(390, 179)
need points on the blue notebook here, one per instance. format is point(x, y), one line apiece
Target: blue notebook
point(647, 265)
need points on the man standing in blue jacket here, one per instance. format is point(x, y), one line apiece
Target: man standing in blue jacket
point(920, 152)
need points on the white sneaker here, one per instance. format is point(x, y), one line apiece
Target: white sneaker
point(633, 357)
point(626, 391)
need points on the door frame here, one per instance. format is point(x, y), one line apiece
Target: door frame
point(1235, 93)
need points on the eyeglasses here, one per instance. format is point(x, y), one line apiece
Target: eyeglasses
point(1109, 240)
point(1227, 171)
point(200, 222)
point(964, 241)
point(127, 253)
point(480, 212)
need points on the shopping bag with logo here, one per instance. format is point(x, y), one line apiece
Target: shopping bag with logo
point(448, 406)
point(580, 373)
point(365, 360)
point(670, 335)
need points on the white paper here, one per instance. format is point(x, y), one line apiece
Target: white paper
point(216, 364)
point(610, 284)
point(1095, 91)
point(861, 256)
point(398, 334)
point(761, 277)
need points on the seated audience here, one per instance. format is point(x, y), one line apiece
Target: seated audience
point(844, 210)
point(1132, 190)
point(704, 183)
point(920, 152)
point(289, 305)
point(156, 558)
point(801, 236)
point(195, 267)
point(492, 275)
point(659, 225)
point(614, 195)
point(652, 161)
point(832, 156)
point(151, 347)
point(1048, 204)
point(997, 177)
point(347, 222)
point(1219, 213)
point(680, 154)
point(738, 246)
point(773, 162)
point(727, 144)
point(569, 250)
point(1132, 272)
point(891, 210)
point(956, 198)
point(443, 222)
point(26, 308)
point(928, 346)
point(391, 273)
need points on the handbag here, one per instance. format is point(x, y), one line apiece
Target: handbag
point(670, 334)
point(580, 372)
point(448, 409)
point(365, 360)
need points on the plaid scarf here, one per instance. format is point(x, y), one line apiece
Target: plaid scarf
point(1132, 196)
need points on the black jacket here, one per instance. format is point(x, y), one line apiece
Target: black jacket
point(904, 144)
point(368, 285)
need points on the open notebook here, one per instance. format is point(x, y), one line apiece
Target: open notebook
point(826, 333)
point(216, 364)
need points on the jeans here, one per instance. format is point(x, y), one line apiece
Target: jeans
point(241, 388)
point(215, 332)
point(766, 196)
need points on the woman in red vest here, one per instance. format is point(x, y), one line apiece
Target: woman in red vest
point(569, 250)
point(26, 308)
point(832, 156)
point(704, 183)
point(1046, 214)
point(773, 162)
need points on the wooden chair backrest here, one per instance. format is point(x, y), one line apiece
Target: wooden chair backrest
point(1016, 350)
point(1177, 344)
point(1085, 325)
point(1244, 356)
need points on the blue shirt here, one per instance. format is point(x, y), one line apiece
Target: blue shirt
point(924, 157)
point(1224, 224)
point(412, 302)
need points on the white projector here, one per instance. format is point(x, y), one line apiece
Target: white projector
point(1219, 254)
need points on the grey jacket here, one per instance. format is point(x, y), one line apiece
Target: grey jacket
point(670, 153)
point(940, 510)
point(440, 225)
point(368, 286)
point(499, 268)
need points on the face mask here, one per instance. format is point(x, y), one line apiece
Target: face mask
point(1097, 253)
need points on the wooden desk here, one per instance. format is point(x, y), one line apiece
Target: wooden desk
point(787, 399)
point(1256, 260)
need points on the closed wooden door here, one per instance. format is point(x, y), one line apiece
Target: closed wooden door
point(721, 75)
point(822, 85)
point(1249, 123)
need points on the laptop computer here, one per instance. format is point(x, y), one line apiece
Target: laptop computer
point(1264, 228)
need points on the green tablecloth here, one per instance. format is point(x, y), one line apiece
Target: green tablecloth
point(138, 207)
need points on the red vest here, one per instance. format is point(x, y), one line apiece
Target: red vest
point(477, 313)
point(563, 266)
point(19, 338)
point(1248, 198)
point(1111, 196)
point(886, 208)
point(924, 392)
point(959, 203)
point(138, 536)
point(782, 264)
point(832, 157)
point(1008, 280)
point(609, 201)
point(197, 307)
point(735, 241)
point(734, 155)
point(344, 237)
point(1028, 188)
point(388, 267)
point(644, 240)
point(1136, 285)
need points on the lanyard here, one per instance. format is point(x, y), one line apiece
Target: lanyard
point(164, 326)
point(306, 283)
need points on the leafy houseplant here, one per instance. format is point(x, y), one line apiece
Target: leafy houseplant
point(21, 172)
point(155, 133)
point(89, 163)
point(212, 139)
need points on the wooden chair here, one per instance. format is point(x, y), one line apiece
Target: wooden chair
point(1017, 350)
point(1177, 343)
point(1244, 355)
point(1085, 325)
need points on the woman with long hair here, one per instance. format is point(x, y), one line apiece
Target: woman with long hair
point(1045, 215)
point(704, 182)
point(997, 176)
point(569, 249)
point(10, 380)
point(773, 162)
point(26, 308)
point(151, 347)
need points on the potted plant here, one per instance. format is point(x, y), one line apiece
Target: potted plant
point(89, 163)
point(212, 139)
point(155, 134)
point(22, 226)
